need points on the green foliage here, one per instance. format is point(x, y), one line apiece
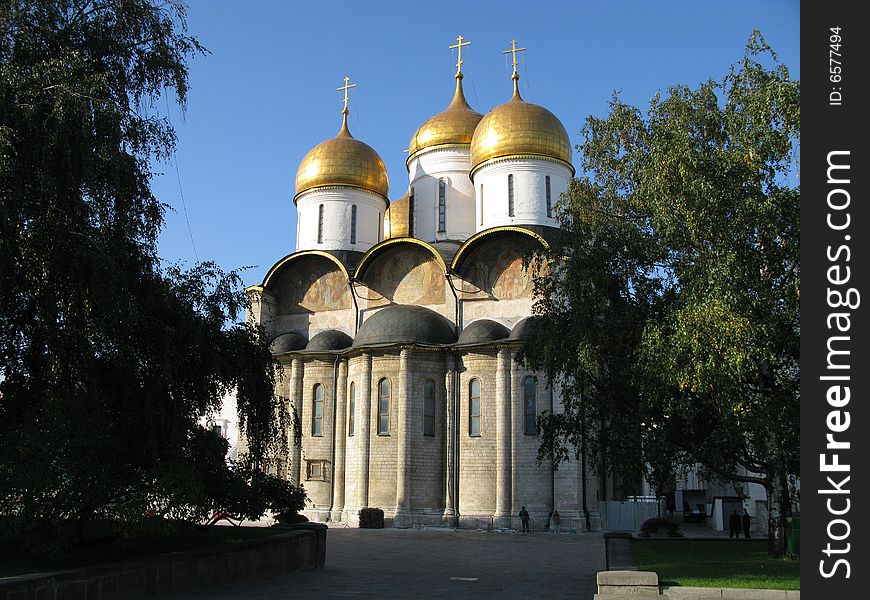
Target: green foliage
point(674, 308)
point(660, 524)
point(371, 518)
point(108, 359)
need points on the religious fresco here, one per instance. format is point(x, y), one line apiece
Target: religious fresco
point(310, 284)
point(404, 275)
point(495, 269)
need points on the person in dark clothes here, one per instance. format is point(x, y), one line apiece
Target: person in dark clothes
point(524, 517)
point(734, 524)
point(745, 524)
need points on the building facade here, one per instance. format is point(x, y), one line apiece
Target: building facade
point(398, 323)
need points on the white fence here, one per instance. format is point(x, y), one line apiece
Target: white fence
point(626, 516)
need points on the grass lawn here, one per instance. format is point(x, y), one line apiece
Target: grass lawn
point(13, 561)
point(726, 563)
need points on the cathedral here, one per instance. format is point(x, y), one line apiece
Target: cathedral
point(398, 323)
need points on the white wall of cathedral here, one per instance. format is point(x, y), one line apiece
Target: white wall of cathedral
point(425, 171)
point(317, 447)
point(532, 486)
point(335, 230)
point(492, 189)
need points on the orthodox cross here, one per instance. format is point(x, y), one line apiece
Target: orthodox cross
point(514, 51)
point(458, 47)
point(345, 87)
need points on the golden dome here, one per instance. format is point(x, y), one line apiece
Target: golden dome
point(453, 126)
point(519, 128)
point(342, 161)
point(397, 218)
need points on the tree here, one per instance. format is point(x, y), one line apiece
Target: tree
point(107, 359)
point(697, 190)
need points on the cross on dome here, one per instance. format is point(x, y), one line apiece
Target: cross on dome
point(513, 50)
point(345, 87)
point(458, 45)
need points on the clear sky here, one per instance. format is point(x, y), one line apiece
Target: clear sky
point(267, 92)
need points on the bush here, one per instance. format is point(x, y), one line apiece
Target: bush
point(290, 518)
point(660, 525)
point(371, 518)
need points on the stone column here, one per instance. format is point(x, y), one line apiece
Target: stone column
point(450, 433)
point(517, 409)
point(503, 439)
point(297, 368)
point(340, 440)
point(365, 428)
point(405, 436)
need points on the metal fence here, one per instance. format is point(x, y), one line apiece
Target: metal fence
point(626, 516)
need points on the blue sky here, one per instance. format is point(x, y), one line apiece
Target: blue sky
point(267, 92)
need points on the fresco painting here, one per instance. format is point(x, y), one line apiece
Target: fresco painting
point(311, 285)
point(495, 269)
point(405, 276)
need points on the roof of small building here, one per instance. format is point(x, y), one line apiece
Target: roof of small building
point(287, 342)
point(483, 330)
point(521, 330)
point(404, 324)
point(329, 340)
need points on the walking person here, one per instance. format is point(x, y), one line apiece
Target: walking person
point(745, 524)
point(557, 521)
point(734, 524)
point(524, 518)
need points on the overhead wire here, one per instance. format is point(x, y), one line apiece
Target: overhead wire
point(178, 178)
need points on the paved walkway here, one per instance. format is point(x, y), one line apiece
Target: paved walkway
point(436, 563)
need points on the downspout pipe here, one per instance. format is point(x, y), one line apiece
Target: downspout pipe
point(456, 302)
point(355, 307)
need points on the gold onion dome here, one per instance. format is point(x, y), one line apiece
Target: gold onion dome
point(343, 161)
point(455, 125)
point(397, 218)
point(519, 128)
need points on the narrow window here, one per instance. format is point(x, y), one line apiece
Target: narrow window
point(510, 195)
point(380, 227)
point(317, 411)
point(351, 410)
point(481, 204)
point(474, 407)
point(353, 223)
point(320, 225)
point(549, 201)
point(429, 408)
point(384, 407)
point(530, 405)
point(315, 470)
point(411, 214)
point(442, 205)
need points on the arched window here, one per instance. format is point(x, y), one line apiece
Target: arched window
point(429, 407)
point(442, 205)
point(411, 214)
point(474, 407)
point(320, 224)
point(351, 410)
point(384, 407)
point(510, 195)
point(353, 223)
point(549, 201)
point(380, 227)
point(317, 411)
point(530, 404)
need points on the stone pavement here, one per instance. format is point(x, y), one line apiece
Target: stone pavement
point(434, 563)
